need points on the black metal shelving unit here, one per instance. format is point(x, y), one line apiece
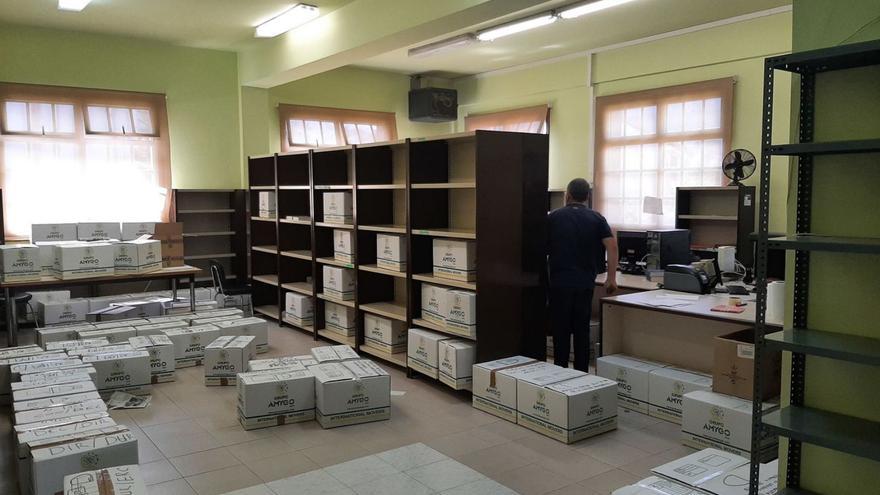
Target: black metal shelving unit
point(801, 424)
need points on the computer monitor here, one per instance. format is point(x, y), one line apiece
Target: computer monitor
point(632, 245)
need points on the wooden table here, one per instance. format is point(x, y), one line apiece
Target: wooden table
point(683, 336)
point(626, 284)
point(173, 274)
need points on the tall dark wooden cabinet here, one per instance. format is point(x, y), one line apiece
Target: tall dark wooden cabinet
point(490, 187)
point(718, 216)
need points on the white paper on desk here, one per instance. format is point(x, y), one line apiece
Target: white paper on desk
point(658, 303)
point(685, 297)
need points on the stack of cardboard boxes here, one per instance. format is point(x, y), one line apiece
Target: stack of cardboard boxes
point(561, 403)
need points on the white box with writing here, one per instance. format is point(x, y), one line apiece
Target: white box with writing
point(257, 328)
point(340, 319)
point(287, 363)
point(53, 232)
point(454, 259)
point(126, 371)
point(495, 392)
point(339, 282)
point(226, 357)
point(60, 333)
point(138, 256)
point(59, 312)
point(161, 350)
point(461, 313)
point(391, 252)
point(83, 260)
point(134, 230)
point(384, 334)
point(457, 363)
point(20, 263)
point(569, 410)
point(189, 344)
point(722, 422)
point(351, 392)
point(113, 335)
point(343, 249)
point(333, 353)
point(337, 207)
point(434, 303)
point(274, 398)
point(423, 348)
point(122, 480)
point(100, 231)
point(159, 328)
point(298, 308)
point(632, 377)
point(266, 204)
point(666, 389)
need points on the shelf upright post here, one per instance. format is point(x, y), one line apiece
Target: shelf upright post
point(410, 297)
point(313, 245)
point(359, 317)
point(278, 290)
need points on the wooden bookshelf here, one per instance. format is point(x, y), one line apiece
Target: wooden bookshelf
point(420, 189)
point(718, 216)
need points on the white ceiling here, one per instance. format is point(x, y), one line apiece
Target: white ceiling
point(639, 19)
point(218, 24)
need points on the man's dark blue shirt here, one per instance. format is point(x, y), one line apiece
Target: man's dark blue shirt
point(575, 235)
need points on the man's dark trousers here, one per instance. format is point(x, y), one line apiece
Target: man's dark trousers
point(570, 314)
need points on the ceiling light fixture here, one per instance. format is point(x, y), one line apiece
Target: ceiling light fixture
point(72, 5)
point(442, 45)
point(297, 15)
point(589, 8)
point(516, 27)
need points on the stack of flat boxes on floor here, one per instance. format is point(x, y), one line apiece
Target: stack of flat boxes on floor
point(437, 354)
point(333, 385)
point(562, 403)
point(713, 410)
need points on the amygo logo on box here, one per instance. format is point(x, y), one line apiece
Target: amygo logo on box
point(595, 408)
point(89, 257)
point(621, 380)
point(716, 423)
point(359, 398)
point(281, 396)
point(22, 262)
point(677, 393)
point(540, 406)
point(118, 374)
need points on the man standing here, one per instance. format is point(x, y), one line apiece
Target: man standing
point(577, 235)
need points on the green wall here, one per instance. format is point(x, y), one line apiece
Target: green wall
point(201, 87)
point(736, 50)
point(843, 287)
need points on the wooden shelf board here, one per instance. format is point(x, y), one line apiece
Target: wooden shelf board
point(209, 256)
point(393, 229)
point(441, 232)
point(729, 218)
point(446, 185)
point(439, 328)
point(296, 222)
point(301, 287)
point(399, 358)
point(266, 249)
point(307, 328)
point(346, 226)
point(300, 254)
point(388, 309)
point(381, 186)
point(335, 262)
point(338, 338)
point(333, 187)
point(381, 271)
point(708, 188)
point(197, 212)
point(208, 234)
point(266, 279)
point(262, 188)
point(261, 219)
point(325, 297)
point(294, 188)
point(268, 310)
point(430, 278)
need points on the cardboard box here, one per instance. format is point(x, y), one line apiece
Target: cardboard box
point(134, 230)
point(457, 363)
point(666, 389)
point(161, 350)
point(47, 256)
point(461, 313)
point(226, 357)
point(103, 231)
point(72, 371)
point(734, 370)
point(60, 333)
point(291, 363)
point(53, 232)
point(351, 392)
point(699, 467)
point(257, 328)
point(339, 282)
point(342, 245)
point(337, 207)
point(159, 328)
point(74, 426)
point(266, 204)
point(171, 237)
point(55, 401)
point(423, 351)
point(384, 334)
point(56, 413)
point(144, 308)
point(455, 260)
point(52, 463)
point(119, 323)
point(71, 345)
point(53, 390)
point(83, 260)
point(298, 307)
point(632, 376)
point(52, 423)
point(333, 354)
point(103, 302)
point(19, 263)
point(654, 485)
point(391, 252)
point(112, 480)
point(215, 313)
point(736, 482)
point(59, 312)
point(189, 344)
point(25, 357)
point(30, 371)
point(275, 398)
point(493, 392)
point(570, 410)
point(434, 304)
point(126, 371)
point(722, 422)
point(214, 319)
point(340, 319)
point(138, 256)
point(113, 335)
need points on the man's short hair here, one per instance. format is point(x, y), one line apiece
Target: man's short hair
point(579, 190)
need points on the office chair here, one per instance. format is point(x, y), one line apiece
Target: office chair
point(218, 276)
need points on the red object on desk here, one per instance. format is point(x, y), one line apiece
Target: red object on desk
point(724, 308)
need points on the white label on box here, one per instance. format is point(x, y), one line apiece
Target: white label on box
point(736, 482)
point(700, 467)
point(745, 351)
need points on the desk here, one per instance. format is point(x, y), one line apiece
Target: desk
point(682, 336)
point(626, 284)
point(173, 274)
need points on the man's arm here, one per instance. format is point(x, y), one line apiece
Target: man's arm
point(613, 257)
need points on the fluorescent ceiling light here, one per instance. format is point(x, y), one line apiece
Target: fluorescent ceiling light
point(516, 27)
point(295, 16)
point(72, 5)
point(589, 8)
point(442, 45)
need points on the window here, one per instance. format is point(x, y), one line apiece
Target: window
point(77, 155)
point(651, 142)
point(532, 119)
point(305, 127)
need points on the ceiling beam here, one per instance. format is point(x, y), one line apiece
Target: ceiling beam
point(360, 30)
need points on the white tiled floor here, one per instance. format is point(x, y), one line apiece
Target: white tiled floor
point(191, 444)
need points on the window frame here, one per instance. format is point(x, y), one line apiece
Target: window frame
point(659, 97)
point(490, 120)
point(131, 109)
point(338, 116)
